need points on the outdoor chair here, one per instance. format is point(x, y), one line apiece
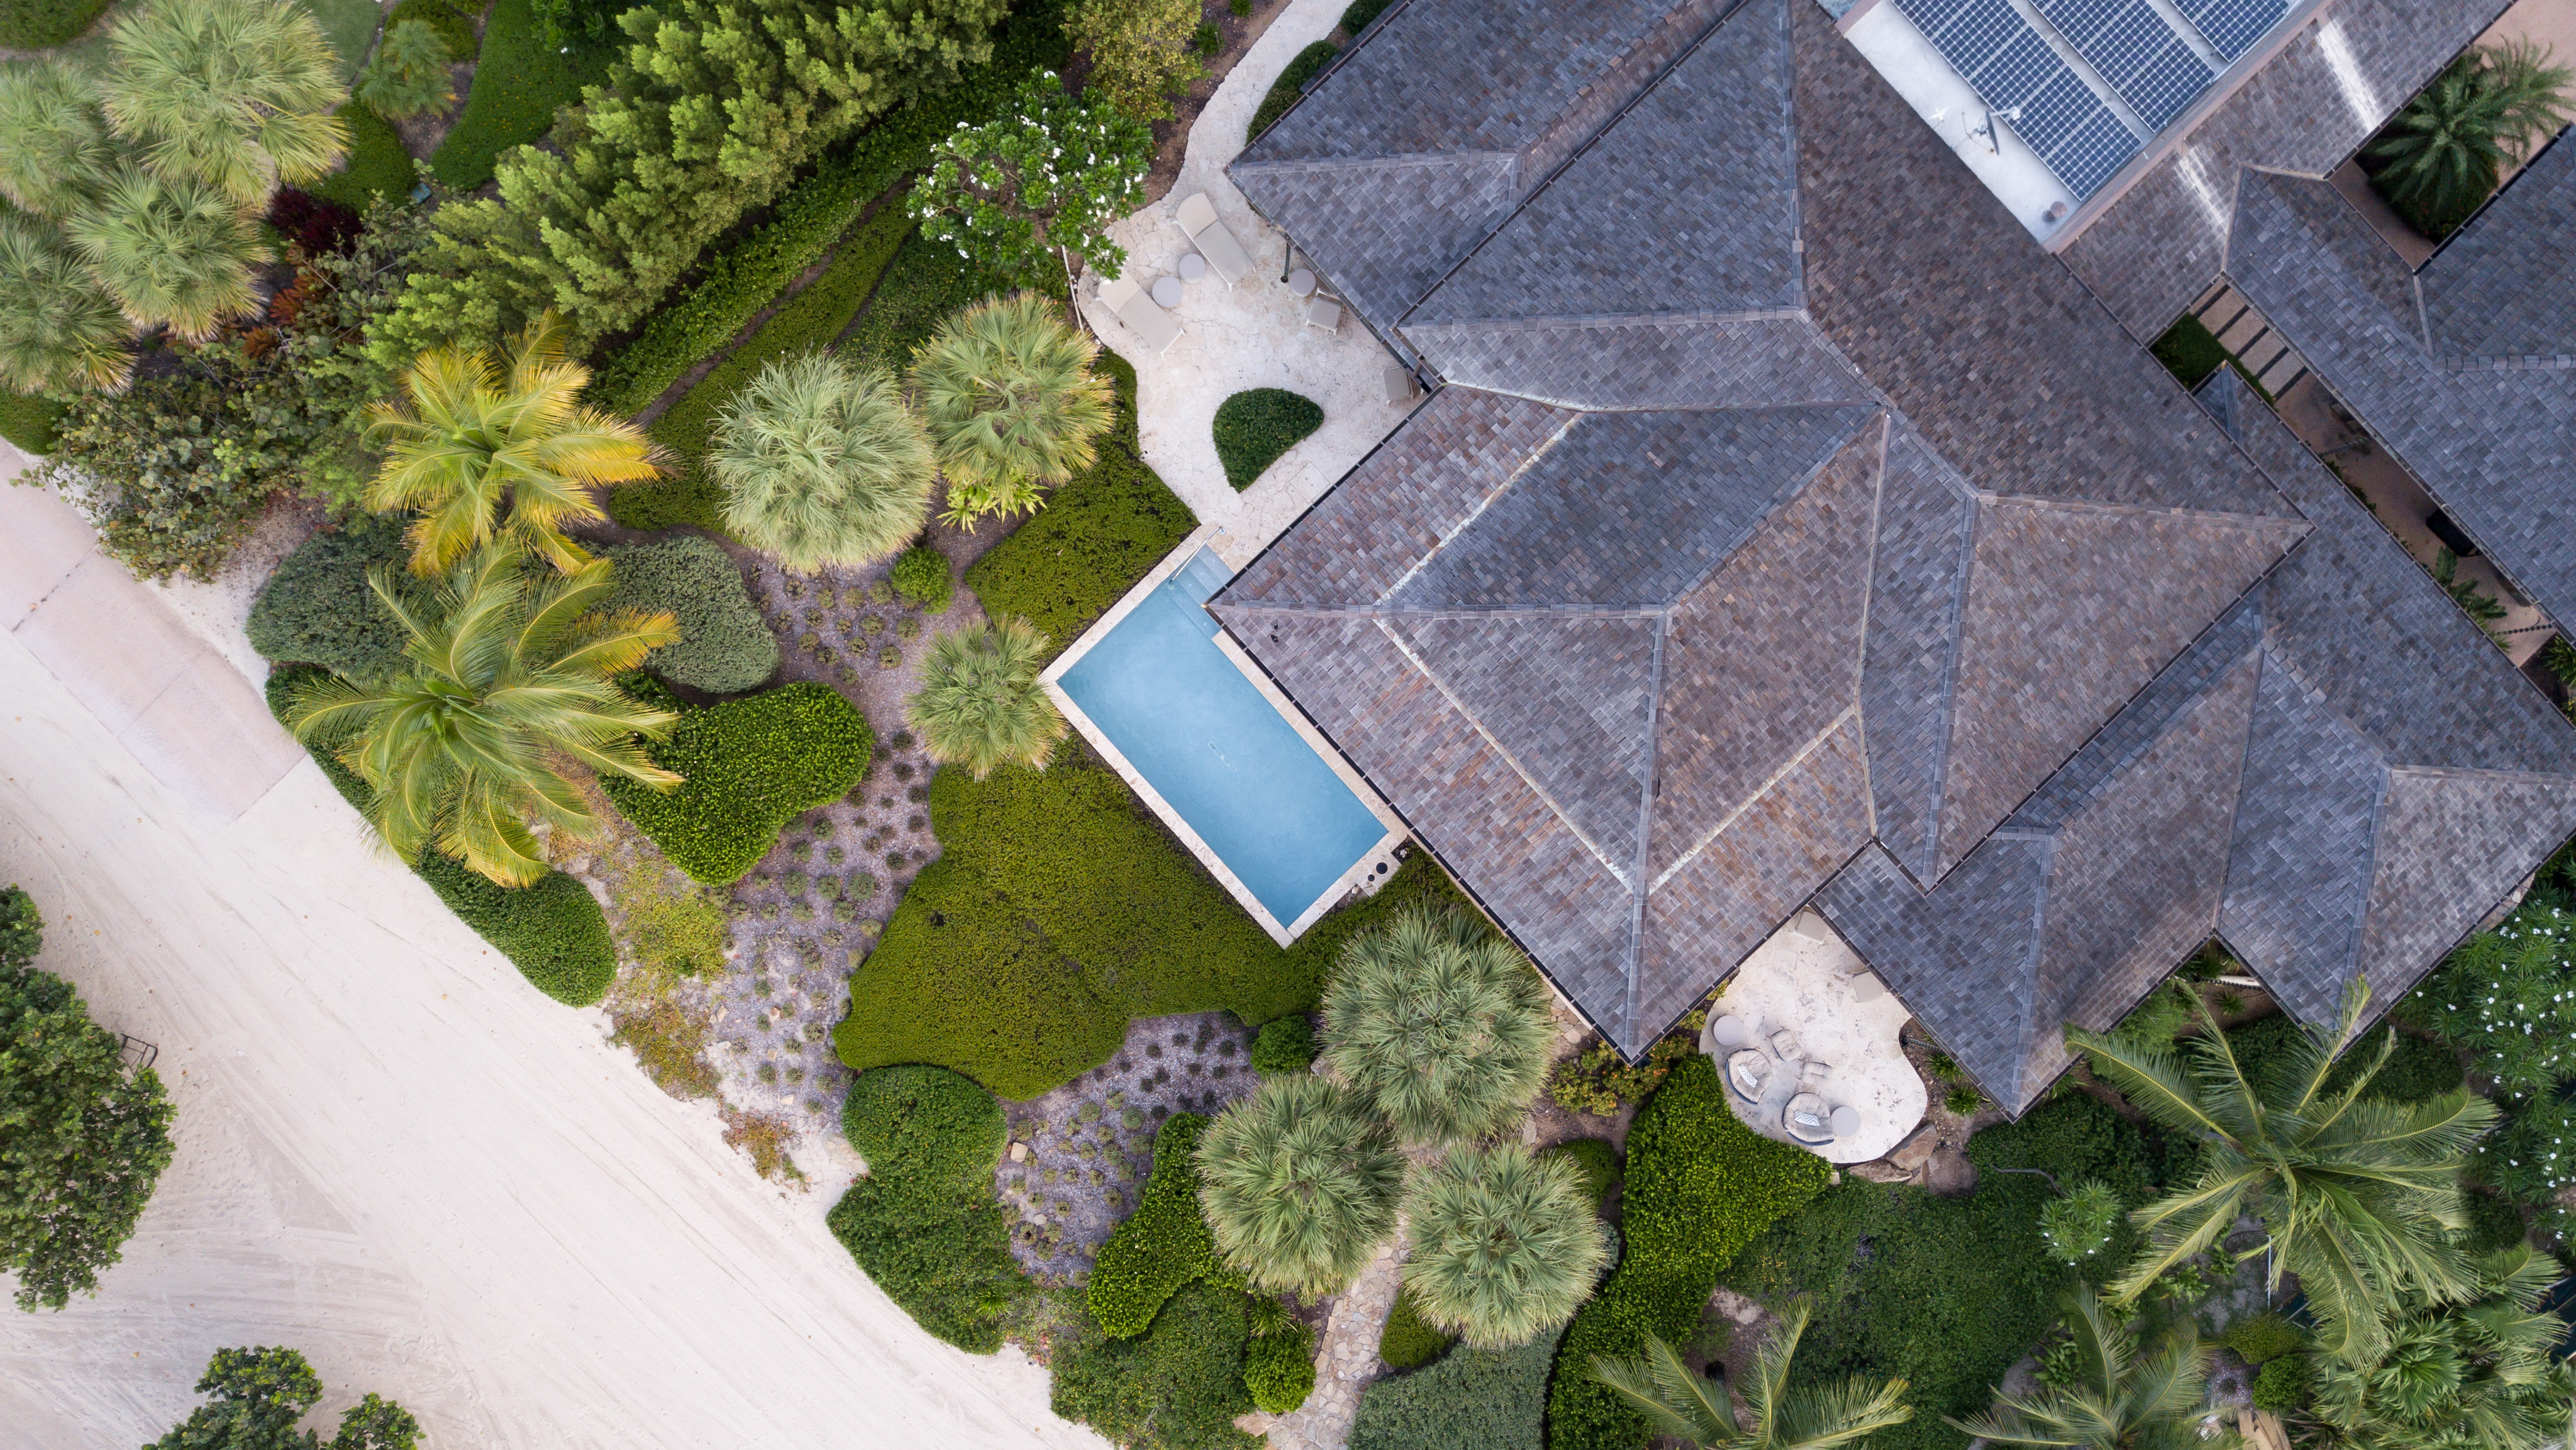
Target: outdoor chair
point(1400, 387)
point(1225, 256)
point(1138, 311)
point(1324, 312)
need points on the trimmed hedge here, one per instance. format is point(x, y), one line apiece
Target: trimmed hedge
point(725, 647)
point(1491, 1399)
point(317, 609)
point(1257, 425)
point(1597, 1161)
point(30, 421)
point(926, 282)
point(377, 163)
point(553, 932)
point(926, 1124)
point(750, 766)
point(1700, 1187)
point(1286, 1045)
point(1279, 1369)
point(1098, 534)
point(922, 579)
point(1163, 1246)
point(1410, 1341)
point(519, 83)
point(924, 1223)
point(1058, 910)
point(454, 24)
point(1308, 64)
point(1357, 17)
point(1177, 1387)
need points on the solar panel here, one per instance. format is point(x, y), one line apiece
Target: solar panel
point(1988, 43)
point(2233, 26)
point(2136, 51)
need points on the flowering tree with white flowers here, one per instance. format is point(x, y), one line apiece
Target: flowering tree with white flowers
point(1038, 185)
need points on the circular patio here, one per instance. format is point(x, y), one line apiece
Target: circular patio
point(1806, 1039)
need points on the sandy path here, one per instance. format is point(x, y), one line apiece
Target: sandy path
point(396, 1156)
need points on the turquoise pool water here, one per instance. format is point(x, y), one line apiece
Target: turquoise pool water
point(1217, 750)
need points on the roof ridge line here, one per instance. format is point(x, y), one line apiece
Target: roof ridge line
point(1589, 320)
point(1647, 791)
point(1780, 772)
point(1545, 447)
point(1788, 493)
point(2222, 518)
point(2481, 773)
point(1392, 159)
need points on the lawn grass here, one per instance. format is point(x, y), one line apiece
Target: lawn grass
point(377, 162)
point(35, 24)
point(518, 84)
point(351, 27)
point(2191, 352)
point(926, 282)
point(29, 421)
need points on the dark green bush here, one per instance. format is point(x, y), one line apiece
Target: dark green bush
point(1700, 1186)
point(1285, 1045)
point(454, 23)
point(317, 609)
point(1163, 1246)
point(924, 1124)
point(2494, 1223)
point(1490, 1399)
point(377, 164)
point(750, 767)
point(1062, 908)
point(2190, 352)
point(1308, 64)
point(2261, 1337)
point(1279, 1369)
point(725, 646)
point(1361, 12)
point(1597, 1161)
point(922, 579)
point(28, 420)
point(943, 1253)
point(519, 84)
point(35, 24)
point(1177, 1387)
point(1254, 427)
point(1410, 1341)
point(2417, 1070)
point(925, 283)
point(2285, 1385)
point(2508, 998)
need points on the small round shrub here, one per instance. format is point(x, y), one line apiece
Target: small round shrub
point(1254, 427)
point(1284, 1045)
point(1300, 1183)
point(1505, 1245)
point(1441, 1024)
point(725, 647)
point(1410, 1341)
point(2285, 1385)
point(2262, 1338)
point(921, 578)
point(1596, 1160)
point(926, 1125)
point(1279, 1368)
point(2078, 1225)
point(318, 610)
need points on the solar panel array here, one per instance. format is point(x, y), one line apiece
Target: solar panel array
point(2232, 26)
point(2130, 44)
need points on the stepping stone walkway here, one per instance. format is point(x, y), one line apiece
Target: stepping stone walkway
point(1346, 1362)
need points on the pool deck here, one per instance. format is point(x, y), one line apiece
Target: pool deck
point(1362, 873)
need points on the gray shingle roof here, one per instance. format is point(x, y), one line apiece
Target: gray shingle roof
point(2504, 288)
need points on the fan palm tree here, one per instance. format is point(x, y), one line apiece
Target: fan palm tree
point(980, 704)
point(822, 464)
point(57, 328)
point(236, 94)
point(1662, 1387)
point(1440, 1023)
point(2477, 1375)
point(54, 148)
point(510, 670)
point(2356, 1193)
point(409, 74)
point(1299, 1184)
point(1007, 389)
point(2117, 1400)
point(1505, 1245)
point(2441, 155)
point(173, 252)
point(474, 440)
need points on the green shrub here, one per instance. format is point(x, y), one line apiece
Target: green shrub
point(2259, 1338)
point(1410, 1341)
point(2285, 1385)
point(1064, 907)
point(1599, 1079)
point(318, 610)
point(2494, 1223)
point(1163, 1246)
point(1279, 1369)
point(1361, 12)
point(1700, 1187)
point(2081, 1223)
point(1254, 427)
point(1286, 1044)
point(453, 23)
point(2508, 998)
point(749, 766)
point(1097, 535)
point(924, 1124)
point(1486, 1398)
point(2190, 352)
point(1597, 1161)
point(2416, 1070)
point(923, 580)
point(29, 421)
point(1177, 1387)
point(1308, 64)
point(377, 165)
point(35, 24)
point(925, 283)
point(410, 72)
point(519, 83)
point(942, 1253)
point(725, 647)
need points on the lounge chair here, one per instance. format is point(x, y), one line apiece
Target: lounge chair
point(1138, 311)
point(1225, 256)
point(1397, 379)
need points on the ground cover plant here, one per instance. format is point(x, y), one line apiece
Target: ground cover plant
point(1254, 427)
point(1056, 894)
point(317, 609)
point(1163, 1246)
point(1410, 1341)
point(85, 1139)
point(724, 647)
point(377, 165)
point(923, 1222)
point(519, 82)
point(256, 1396)
point(925, 283)
point(1491, 1399)
point(1176, 1387)
point(747, 767)
point(30, 420)
point(35, 24)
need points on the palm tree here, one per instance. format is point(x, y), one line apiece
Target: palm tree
point(1440, 1023)
point(409, 74)
point(472, 441)
point(173, 252)
point(822, 464)
point(2117, 1401)
point(2441, 155)
point(1681, 1403)
point(1505, 1245)
point(510, 670)
point(57, 329)
point(2477, 1375)
point(2356, 1192)
point(1007, 389)
point(980, 704)
point(236, 94)
point(1299, 1184)
point(54, 147)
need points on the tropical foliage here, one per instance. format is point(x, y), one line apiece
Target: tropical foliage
point(1300, 1185)
point(821, 464)
point(1141, 51)
point(2442, 154)
point(171, 250)
point(1034, 189)
point(1505, 1245)
point(2114, 1400)
point(1440, 1024)
point(58, 330)
point(1012, 402)
point(980, 704)
point(234, 94)
point(409, 74)
point(2479, 1374)
point(1680, 1403)
point(256, 1396)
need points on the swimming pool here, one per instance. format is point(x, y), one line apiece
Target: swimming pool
point(1217, 751)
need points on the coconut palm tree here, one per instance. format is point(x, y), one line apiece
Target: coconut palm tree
point(2441, 155)
point(1007, 389)
point(822, 464)
point(483, 448)
point(2477, 1375)
point(1440, 1023)
point(510, 673)
point(1662, 1387)
point(980, 704)
point(409, 74)
point(2117, 1400)
point(1505, 1246)
point(55, 151)
point(236, 94)
point(173, 253)
point(2356, 1193)
point(1299, 1183)
point(57, 328)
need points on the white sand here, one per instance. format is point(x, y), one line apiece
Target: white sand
point(398, 1157)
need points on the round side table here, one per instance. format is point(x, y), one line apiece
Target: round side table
point(1193, 267)
point(1167, 291)
point(1301, 283)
